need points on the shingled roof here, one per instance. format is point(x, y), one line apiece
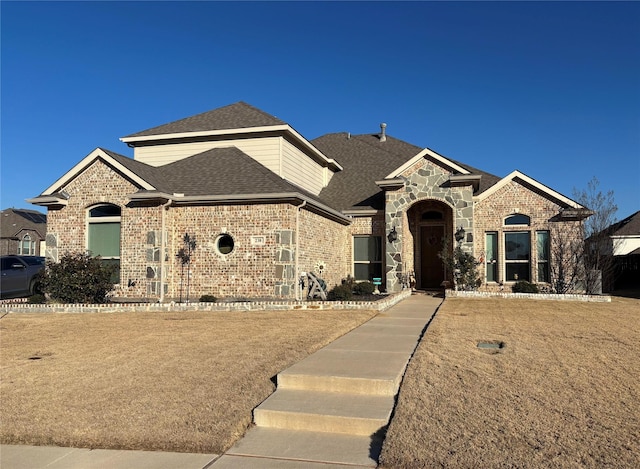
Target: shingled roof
point(366, 159)
point(630, 226)
point(222, 171)
point(14, 220)
point(239, 115)
point(213, 172)
point(361, 160)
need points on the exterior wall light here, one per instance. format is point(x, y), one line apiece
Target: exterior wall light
point(459, 235)
point(393, 235)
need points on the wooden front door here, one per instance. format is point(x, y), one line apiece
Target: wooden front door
point(431, 266)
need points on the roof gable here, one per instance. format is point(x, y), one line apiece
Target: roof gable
point(431, 155)
point(129, 168)
point(517, 175)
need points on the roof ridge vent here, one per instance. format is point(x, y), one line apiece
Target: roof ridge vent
point(383, 133)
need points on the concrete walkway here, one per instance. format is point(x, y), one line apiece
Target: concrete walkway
point(329, 411)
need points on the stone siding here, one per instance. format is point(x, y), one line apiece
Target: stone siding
point(423, 181)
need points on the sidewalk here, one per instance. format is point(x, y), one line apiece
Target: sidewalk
point(329, 411)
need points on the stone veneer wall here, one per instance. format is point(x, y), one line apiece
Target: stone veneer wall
point(424, 181)
point(514, 197)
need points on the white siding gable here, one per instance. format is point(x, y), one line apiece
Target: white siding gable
point(274, 152)
point(301, 170)
point(265, 150)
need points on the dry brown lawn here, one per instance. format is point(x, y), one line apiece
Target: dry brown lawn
point(563, 392)
point(156, 381)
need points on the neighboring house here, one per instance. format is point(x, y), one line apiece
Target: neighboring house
point(22, 232)
point(624, 239)
point(266, 205)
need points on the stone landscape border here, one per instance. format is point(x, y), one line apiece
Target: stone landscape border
point(528, 296)
point(275, 305)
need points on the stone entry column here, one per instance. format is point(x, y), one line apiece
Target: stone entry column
point(393, 261)
point(426, 182)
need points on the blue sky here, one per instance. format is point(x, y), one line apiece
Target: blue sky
point(549, 88)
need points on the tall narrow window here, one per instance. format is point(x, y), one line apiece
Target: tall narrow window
point(367, 257)
point(491, 258)
point(104, 235)
point(27, 247)
point(517, 247)
point(542, 238)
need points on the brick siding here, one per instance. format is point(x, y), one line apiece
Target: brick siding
point(515, 198)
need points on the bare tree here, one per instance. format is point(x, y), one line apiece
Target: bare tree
point(567, 270)
point(599, 246)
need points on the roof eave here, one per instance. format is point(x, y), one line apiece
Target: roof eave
point(390, 184)
point(466, 179)
point(179, 199)
point(577, 214)
point(51, 201)
point(369, 212)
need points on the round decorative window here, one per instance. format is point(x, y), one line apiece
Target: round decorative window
point(224, 244)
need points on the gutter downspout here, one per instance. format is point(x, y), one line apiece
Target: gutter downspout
point(165, 208)
point(296, 286)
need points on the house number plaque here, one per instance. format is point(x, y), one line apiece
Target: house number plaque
point(258, 240)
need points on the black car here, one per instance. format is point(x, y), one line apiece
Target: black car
point(20, 275)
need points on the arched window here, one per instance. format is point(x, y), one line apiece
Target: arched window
point(27, 246)
point(517, 219)
point(103, 238)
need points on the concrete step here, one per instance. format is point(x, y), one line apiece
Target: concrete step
point(289, 446)
point(333, 412)
point(347, 371)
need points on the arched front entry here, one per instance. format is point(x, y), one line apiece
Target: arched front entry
point(430, 223)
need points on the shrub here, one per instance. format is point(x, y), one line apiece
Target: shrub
point(463, 265)
point(524, 287)
point(78, 278)
point(364, 288)
point(340, 293)
point(37, 299)
point(208, 299)
point(349, 282)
